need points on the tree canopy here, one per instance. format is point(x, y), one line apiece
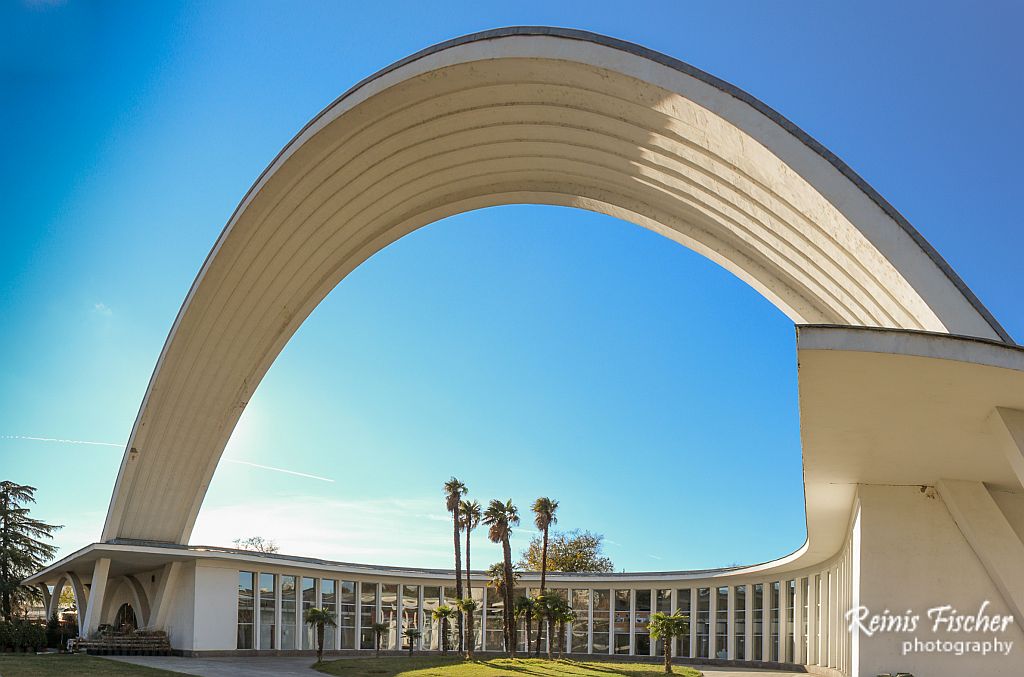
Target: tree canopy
point(571, 551)
point(257, 543)
point(22, 552)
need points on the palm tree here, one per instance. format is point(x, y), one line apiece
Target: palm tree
point(378, 631)
point(319, 619)
point(565, 618)
point(544, 509)
point(454, 490)
point(496, 579)
point(666, 628)
point(468, 606)
point(442, 614)
point(413, 634)
point(525, 607)
point(469, 514)
point(550, 608)
point(500, 518)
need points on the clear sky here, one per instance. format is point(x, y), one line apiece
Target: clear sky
point(528, 350)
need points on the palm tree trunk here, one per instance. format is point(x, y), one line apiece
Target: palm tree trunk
point(458, 571)
point(319, 642)
point(547, 627)
point(529, 620)
point(543, 580)
point(667, 641)
point(444, 636)
point(378, 645)
point(510, 643)
point(470, 640)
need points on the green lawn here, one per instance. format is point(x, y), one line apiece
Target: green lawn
point(65, 665)
point(436, 666)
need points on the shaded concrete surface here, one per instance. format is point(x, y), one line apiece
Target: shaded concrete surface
point(280, 666)
point(299, 666)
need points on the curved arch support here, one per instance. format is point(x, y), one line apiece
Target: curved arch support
point(522, 115)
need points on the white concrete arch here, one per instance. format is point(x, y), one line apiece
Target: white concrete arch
point(521, 115)
point(127, 588)
point(77, 589)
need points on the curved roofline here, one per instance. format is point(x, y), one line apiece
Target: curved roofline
point(687, 69)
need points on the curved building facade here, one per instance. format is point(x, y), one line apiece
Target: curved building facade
point(911, 394)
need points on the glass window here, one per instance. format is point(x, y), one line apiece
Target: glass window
point(308, 602)
point(662, 603)
point(410, 611)
point(478, 618)
point(495, 621)
point(347, 614)
point(703, 622)
point(520, 622)
point(683, 604)
point(453, 626)
point(581, 624)
point(389, 615)
point(268, 611)
point(329, 601)
point(602, 609)
point(621, 620)
point(773, 621)
point(722, 622)
point(431, 600)
point(641, 638)
point(288, 616)
point(757, 623)
point(367, 614)
point(740, 622)
point(246, 602)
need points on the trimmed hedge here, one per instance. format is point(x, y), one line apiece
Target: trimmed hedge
point(22, 636)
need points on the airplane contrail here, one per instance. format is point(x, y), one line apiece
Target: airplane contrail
point(54, 439)
point(122, 446)
point(270, 467)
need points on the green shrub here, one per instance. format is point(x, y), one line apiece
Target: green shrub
point(22, 636)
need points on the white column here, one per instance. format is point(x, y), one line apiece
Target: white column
point(97, 590)
point(823, 615)
point(783, 620)
point(420, 617)
point(53, 600)
point(730, 638)
point(810, 652)
point(833, 606)
point(693, 622)
point(748, 625)
point(766, 622)
point(799, 639)
point(712, 613)
point(163, 599)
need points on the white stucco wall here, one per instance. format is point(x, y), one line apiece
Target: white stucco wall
point(914, 557)
point(180, 626)
point(216, 608)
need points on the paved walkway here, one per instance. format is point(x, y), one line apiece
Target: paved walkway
point(299, 667)
point(277, 666)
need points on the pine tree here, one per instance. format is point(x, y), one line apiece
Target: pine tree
point(22, 553)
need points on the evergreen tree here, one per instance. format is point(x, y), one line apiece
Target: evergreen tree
point(22, 553)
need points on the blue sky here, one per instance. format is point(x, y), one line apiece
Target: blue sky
point(620, 373)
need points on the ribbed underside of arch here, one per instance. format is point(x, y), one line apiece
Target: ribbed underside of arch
point(520, 120)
